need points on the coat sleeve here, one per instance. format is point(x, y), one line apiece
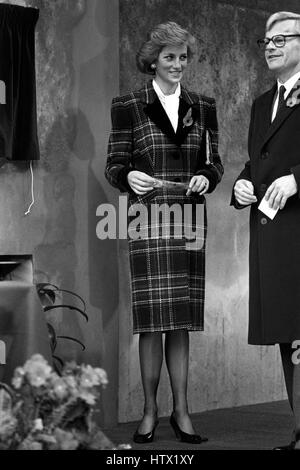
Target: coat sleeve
point(119, 146)
point(295, 170)
point(213, 171)
point(246, 172)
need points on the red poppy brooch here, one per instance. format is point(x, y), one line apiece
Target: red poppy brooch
point(294, 99)
point(188, 118)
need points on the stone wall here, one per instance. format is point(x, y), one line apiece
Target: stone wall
point(77, 75)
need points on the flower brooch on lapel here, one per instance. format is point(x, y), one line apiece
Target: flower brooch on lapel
point(294, 99)
point(188, 119)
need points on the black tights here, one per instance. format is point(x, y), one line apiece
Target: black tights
point(177, 360)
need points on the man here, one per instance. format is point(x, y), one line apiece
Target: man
point(273, 174)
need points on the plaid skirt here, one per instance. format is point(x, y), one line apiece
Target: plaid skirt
point(167, 262)
point(18, 120)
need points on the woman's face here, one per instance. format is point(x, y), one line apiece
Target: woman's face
point(171, 64)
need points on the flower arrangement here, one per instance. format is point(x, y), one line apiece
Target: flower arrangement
point(46, 411)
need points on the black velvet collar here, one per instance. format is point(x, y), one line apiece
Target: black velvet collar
point(188, 113)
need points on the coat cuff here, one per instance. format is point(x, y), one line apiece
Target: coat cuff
point(211, 178)
point(122, 180)
point(296, 172)
point(233, 201)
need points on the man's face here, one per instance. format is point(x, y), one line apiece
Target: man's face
point(284, 61)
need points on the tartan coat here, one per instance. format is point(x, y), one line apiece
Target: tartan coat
point(167, 271)
point(274, 258)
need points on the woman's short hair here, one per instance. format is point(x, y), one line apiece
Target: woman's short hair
point(282, 16)
point(165, 34)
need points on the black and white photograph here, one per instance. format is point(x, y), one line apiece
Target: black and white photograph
point(149, 233)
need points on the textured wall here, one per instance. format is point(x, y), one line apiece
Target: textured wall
point(224, 370)
point(77, 74)
point(96, 81)
point(49, 231)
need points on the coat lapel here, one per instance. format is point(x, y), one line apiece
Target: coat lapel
point(292, 102)
point(155, 111)
point(188, 114)
point(186, 118)
point(266, 112)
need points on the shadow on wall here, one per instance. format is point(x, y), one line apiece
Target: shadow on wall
point(56, 255)
point(95, 64)
point(102, 254)
point(102, 275)
point(103, 272)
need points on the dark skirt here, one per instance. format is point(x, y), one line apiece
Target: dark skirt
point(18, 117)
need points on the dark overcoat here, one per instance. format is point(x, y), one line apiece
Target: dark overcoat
point(167, 271)
point(274, 291)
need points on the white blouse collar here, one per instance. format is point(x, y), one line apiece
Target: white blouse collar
point(164, 97)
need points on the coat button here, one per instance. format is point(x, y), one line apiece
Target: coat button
point(263, 188)
point(263, 221)
point(265, 155)
point(176, 155)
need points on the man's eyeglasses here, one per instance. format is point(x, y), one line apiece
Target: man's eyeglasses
point(278, 40)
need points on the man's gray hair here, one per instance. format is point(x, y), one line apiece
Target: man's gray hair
point(282, 16)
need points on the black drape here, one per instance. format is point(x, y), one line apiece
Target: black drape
point(18, 119)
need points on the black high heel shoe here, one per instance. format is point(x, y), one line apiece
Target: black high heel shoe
point(292, 445)
point(183, 436)
point(145, 438)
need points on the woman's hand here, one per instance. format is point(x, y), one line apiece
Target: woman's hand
point(140, 182)
point(198, 184)
point(244, 192)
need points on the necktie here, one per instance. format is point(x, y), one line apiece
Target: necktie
point(281, 100)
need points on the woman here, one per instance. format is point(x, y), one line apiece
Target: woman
point(163, 149)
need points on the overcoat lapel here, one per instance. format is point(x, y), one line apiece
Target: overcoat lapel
point(265, 113)
point(284, 113)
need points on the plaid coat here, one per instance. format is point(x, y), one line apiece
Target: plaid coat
point(168, 258)
point(274, 276)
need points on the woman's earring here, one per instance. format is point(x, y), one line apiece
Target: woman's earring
point(153, 66)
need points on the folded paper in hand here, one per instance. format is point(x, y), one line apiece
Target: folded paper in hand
point(266, 209)
point(169, 184)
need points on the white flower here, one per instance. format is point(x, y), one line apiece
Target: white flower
point(88, 397)
point(18, 377)
point(8, 425)
point(37, 370)
point(38, 425)
point(92, 377)
point(102, 375)
point(60, 388)
point(71, 383)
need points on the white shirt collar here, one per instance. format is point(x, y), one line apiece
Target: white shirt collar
point(164, 97)
point(289, 84)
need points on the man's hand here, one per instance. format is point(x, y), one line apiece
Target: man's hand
point(244, 192)
point(140, 182)
point(198, 184)
point(280, 190)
